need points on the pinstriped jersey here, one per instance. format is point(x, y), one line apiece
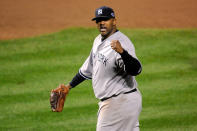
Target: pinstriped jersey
point(106, 68)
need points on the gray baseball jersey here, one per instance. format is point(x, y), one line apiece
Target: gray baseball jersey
point(106, 68)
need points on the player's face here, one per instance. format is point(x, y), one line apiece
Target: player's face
point(106, 26)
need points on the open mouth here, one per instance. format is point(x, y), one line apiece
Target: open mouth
point(103, 29)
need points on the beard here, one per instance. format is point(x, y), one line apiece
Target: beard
point(105, 32)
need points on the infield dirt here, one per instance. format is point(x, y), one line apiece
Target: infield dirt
point(24, 18)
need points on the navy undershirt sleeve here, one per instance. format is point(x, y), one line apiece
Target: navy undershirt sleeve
point(132, 65)
point(77, 79)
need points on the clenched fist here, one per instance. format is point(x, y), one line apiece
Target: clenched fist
point(115, 45)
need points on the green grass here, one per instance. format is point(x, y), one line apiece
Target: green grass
point(31, 67)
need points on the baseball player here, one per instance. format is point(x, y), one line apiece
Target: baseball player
point(112, 65)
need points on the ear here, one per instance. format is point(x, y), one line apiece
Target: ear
point(114, 21)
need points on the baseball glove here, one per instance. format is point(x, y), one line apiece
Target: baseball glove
point(58, 97)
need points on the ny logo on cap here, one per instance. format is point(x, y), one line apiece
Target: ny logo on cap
point(100, 11)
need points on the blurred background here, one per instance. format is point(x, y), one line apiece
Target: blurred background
point(44, 43)
point(22, 18)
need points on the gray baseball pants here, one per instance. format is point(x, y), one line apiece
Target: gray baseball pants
point(120, 113)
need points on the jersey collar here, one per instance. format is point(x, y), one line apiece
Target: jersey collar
point(102, 40)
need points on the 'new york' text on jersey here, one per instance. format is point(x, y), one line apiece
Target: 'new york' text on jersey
point(106, 68)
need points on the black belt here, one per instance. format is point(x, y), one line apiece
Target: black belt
point(119, 94)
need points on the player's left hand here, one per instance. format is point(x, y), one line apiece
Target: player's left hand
point(115, 45)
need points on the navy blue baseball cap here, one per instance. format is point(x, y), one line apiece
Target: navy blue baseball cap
point(104, 12)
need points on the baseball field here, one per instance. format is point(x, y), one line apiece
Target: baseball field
point(43, 44)
point(31, 67)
